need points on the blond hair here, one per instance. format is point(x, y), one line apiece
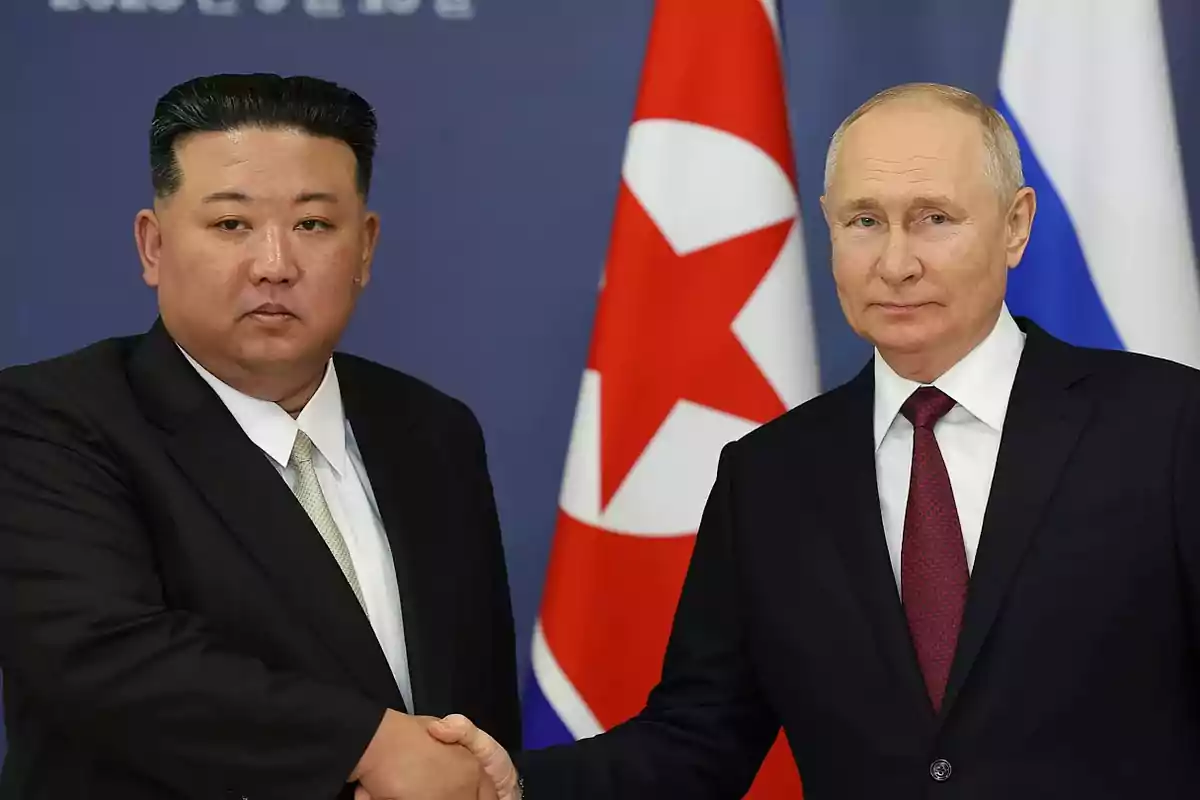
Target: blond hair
point(1003, 162)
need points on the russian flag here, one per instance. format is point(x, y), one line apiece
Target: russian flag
point(1110, 262)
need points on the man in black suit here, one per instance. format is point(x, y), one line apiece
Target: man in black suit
point(971, 572)
point(236, 564)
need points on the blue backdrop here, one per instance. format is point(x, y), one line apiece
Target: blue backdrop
point(502, 128)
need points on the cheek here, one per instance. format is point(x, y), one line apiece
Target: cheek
point(859, 249)
point(963, 276)
point(951, 262)
point(970, 267)
point(329, 278)
point(199, 276)
point(852, 268)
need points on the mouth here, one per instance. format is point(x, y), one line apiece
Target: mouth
point(271, 312)
point(900, 308)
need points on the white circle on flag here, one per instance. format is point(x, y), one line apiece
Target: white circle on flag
point(701, 185)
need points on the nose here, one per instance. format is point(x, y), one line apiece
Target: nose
point(273, 259)
point(897, 263)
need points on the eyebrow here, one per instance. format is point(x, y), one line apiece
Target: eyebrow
point(315, 197)
point(870, 204)
point(934, 200)
point(858, 204)
point(235, 196)
point(219, 197)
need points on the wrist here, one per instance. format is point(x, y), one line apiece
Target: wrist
point(376, 748)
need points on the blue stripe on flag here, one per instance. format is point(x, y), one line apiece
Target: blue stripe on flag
point(541, 725)
point(1052, 285)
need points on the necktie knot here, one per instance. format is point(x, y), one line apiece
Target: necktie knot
point(926, 406)
point(302, 449)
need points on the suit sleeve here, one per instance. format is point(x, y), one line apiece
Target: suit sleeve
point(499, 629)
point(86, 636)
point(706, 727)
point(1186, 491)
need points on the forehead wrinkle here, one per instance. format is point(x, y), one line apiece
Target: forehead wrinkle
point(878, 169)
point(900, 167)
point(236, 161)
point(882, 160)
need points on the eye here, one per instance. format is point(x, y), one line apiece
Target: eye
point(230, 224)
point(314, 225)
point(864, 222)
point(937, 218)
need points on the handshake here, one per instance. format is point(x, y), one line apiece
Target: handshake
point(426, 758)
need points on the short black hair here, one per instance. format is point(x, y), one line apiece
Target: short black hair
point(228, 102)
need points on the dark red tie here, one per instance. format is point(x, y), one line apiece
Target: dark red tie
point(933, 563)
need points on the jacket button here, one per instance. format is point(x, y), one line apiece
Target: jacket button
point(940, 770)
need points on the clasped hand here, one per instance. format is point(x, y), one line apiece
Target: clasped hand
point(426, 758)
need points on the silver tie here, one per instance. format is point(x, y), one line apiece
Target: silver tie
point(308, 492)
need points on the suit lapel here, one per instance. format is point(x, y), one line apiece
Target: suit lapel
point(246, 492)
point(858, 532)
point(1042, 425)
point(401, 462)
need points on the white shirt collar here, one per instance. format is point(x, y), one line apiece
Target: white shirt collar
point(981, 382)
point(274, 430)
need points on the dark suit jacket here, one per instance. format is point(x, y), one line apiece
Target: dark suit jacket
point(171, 623)
point(1076, 673)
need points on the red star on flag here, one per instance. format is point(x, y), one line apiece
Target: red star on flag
point(664, 334)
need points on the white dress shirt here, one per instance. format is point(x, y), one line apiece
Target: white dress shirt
point(968, 436)
point(343, 480)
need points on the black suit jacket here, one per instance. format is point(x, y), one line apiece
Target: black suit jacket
point(171, 623)
point(1076, 673)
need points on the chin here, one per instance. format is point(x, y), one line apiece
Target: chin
point(274, 350)
point(902, 337)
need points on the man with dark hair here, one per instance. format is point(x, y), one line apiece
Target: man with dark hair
point(236, 563)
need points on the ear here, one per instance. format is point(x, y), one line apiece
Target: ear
point(1018, 223)
point(147, 232)
point(370, 239)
